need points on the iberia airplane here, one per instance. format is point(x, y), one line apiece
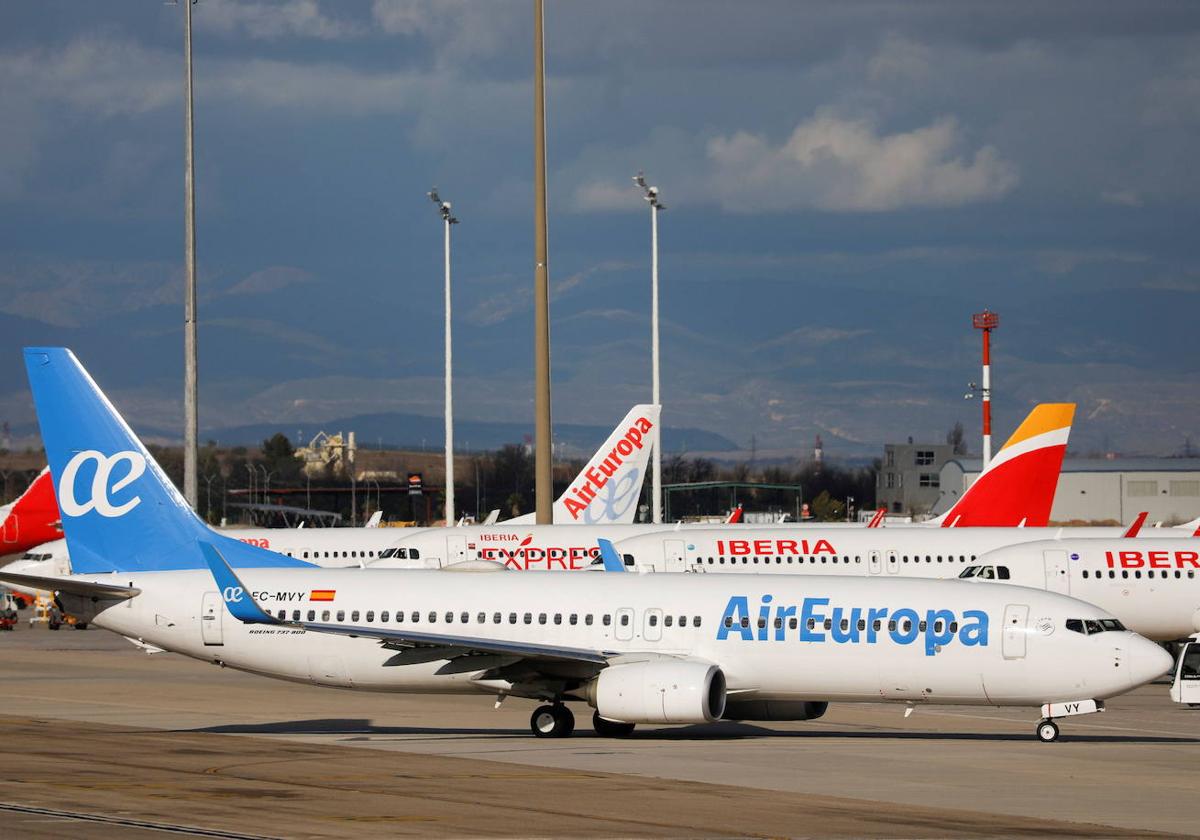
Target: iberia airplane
point(32, 519)
point(656, 649)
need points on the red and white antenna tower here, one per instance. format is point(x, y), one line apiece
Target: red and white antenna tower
point(986, 321)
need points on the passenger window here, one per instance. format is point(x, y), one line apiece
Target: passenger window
point(1085, 574)
point(558, 618)
point(921, 626)
point(683, 621)
point(465, 618)
point(432, 617)
point(696, 621)
point(574, 619)
point(341, 615)
point(667, 620)
point(449, 617)
point(495, 618)
point(624, 619)
point(606, 620)
point(312, 615)
point(383, 616)
point(829, 624)
point(778, 623)
point(877, 624)
point(416, 617)
point(399, 617)
point(512, 618)
point(295, 615)
point(587, 619)
point(529, 618)
point(325, 615)
point(370, 616)
point(481, 618)
point(762, 622)
point(746, 621)
point(793, 623)
point(653, 622)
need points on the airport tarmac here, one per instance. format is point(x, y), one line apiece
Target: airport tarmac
point(101, 740)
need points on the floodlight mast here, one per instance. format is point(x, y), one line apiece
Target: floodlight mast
point(543, 441)
point(650, 193)
point(448, 219)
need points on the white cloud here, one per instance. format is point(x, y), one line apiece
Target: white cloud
point(272, 21)
point(827, 163)
point(835, 164)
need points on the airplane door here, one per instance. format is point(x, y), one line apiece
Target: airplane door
point(1058, 577)
point(893, 562)
point(456, 549)
point(652, 631)
point(875, 566)
point(676, 559)
point(1016, 617)
point(624, 629)
point(211, 612)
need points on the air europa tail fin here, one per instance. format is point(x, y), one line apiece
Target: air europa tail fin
point(1018, 485)
point(120, 512)
point(607, 490)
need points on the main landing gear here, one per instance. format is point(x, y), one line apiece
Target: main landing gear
point(552, 721)
point(1047, 731)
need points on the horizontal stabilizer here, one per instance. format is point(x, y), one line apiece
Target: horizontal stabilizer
point(74, 586)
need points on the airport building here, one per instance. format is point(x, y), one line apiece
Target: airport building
point(1113, 490)
point(909, 479)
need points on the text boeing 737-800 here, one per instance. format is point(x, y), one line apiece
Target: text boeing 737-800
point(655, 649)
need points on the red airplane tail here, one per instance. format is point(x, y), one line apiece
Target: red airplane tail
point(33, 518)
point(1017, 488)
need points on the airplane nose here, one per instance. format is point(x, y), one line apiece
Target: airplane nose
point(1147, 661)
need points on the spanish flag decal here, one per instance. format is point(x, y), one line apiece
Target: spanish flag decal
point(322, 595)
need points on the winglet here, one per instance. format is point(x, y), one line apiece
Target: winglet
point(237, 598)
point(877, 519)
point(612, 560)
point(1136, 525)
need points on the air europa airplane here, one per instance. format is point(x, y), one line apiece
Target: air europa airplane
point(637, 648)
point(1016, 489)
point(611, 483)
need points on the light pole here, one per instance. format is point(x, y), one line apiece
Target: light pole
point(448, 219)
point(651, 195)
point(191, 453)
point(543, 458)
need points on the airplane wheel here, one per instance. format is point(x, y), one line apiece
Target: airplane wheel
point(1047, 731)
point(552, 721)
point(611, 728)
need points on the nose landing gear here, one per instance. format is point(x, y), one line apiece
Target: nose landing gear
point(555, 721)
point(1047, 731)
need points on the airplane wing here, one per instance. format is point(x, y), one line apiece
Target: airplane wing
point(244, 609)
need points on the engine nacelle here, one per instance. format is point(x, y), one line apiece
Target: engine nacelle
point(662, 691)
point(774, 710)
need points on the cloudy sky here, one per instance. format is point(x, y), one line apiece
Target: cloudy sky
point(846, 183)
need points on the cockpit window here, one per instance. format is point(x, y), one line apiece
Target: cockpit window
point(387, 552)
point(969, 572)
point(1002, 573)
point(1090, 626)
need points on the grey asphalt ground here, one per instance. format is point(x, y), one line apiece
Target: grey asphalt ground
point(101, 740)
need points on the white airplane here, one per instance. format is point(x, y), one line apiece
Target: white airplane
point(606, 492)
point(640, 649)
point(1018, 487)
point(1152, 585)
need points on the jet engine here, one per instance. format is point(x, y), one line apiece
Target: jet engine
point(661, 691)
point(774, 710)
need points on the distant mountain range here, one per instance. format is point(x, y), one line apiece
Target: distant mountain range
point(415, 431)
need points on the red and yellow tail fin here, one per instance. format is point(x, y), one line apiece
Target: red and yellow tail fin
point(1017, 488)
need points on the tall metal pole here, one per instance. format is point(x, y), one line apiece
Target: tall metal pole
point(986, 321)
point(656, 206)
point(543, 480)
point(656, 474)
point(448, 219)
point(191, 455)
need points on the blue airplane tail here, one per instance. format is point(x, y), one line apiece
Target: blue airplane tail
point(120, 512)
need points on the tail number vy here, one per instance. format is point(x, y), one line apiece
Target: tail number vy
point(102, 485)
